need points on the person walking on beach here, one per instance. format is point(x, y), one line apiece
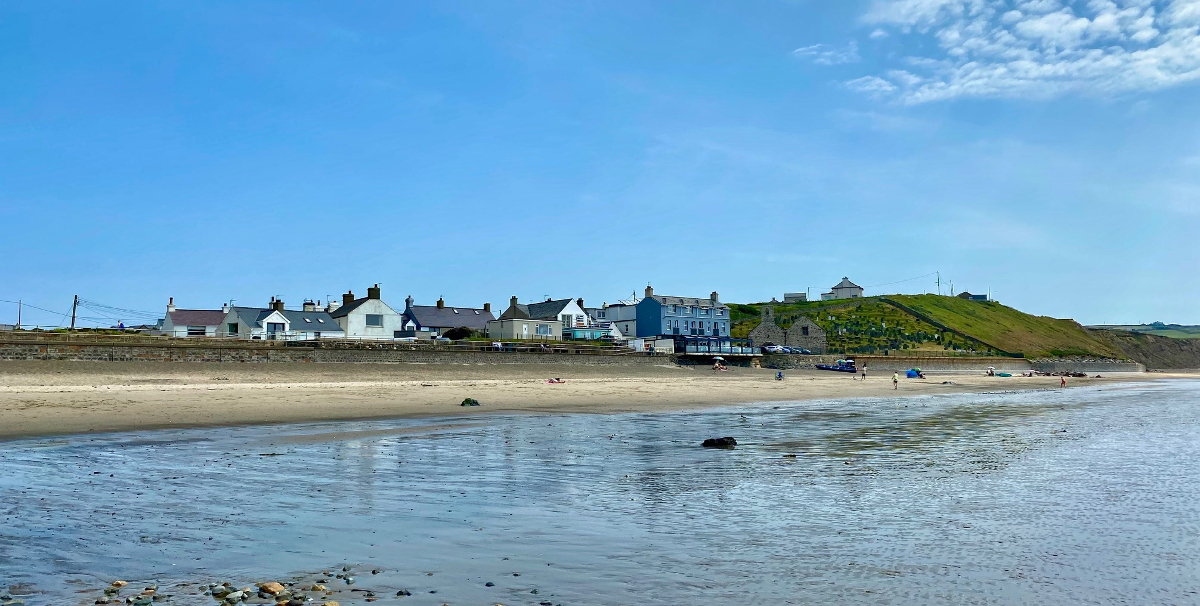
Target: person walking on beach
point(895, 380)
point(864, 372)
point(1063, 383)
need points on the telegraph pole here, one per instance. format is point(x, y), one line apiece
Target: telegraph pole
point(939, 282)
point(18, 314)
point(74, 306)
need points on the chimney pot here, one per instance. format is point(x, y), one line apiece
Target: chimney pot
point(276, 304)
point(714, 297)
point(348, 298)
point(309, 306)
point(373, 292)
point(487, 307)
point(170, 304)
point(441, 304)
point(649, 291)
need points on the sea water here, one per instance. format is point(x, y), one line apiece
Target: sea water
point(1080, 496)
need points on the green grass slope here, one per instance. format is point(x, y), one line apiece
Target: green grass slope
point(1007, 329)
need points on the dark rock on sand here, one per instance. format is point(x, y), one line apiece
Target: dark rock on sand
point(489, 584)
point(469, 402)
point(726, 442)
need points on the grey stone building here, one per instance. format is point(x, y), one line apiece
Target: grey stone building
point(802, 333)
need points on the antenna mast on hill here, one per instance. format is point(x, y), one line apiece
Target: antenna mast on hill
point(939, 282)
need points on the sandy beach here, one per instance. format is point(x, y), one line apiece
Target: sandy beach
point(54, 398)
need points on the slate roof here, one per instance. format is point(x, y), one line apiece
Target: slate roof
point(344, 310)
point(845, 283)
point(317, 320)
point(311, 321)
point(691, 301)
point(546, 310)
point(196, 317)
point(430, 316)
point(520, 312)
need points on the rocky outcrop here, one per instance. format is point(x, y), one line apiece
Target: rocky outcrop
point(1155, 352)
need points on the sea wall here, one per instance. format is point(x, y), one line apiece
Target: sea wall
point(1087, 366)
point(178, 353)
point(888, 364)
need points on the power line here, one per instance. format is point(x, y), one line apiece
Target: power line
point(902, 281)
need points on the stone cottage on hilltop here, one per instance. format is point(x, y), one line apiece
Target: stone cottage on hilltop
point(803, 332)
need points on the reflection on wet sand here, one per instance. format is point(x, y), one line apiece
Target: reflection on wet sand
point(1083, 496)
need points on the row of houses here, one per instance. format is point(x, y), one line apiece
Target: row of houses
point(366, 317)
point(370, 317)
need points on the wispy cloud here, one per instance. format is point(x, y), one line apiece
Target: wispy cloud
point(1038, 48)
point(824, 54)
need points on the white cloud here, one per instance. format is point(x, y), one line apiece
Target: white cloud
point(1038, 48)
point(823, 54)
point(872, 85)
point(878, 34)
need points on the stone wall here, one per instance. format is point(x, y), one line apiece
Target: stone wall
point(768, 331)
point(152, 353)
point(1087, 366)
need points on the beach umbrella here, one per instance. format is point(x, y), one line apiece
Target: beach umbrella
point(718, 358)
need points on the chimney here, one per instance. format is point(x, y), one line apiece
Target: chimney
point(348, 298)
point(170, 304)
point(513, 301)
point(649, 291)
point(276, 304)
point(309, 306)
point(714, 297)
point(579, 302)
point(441, 303)
point(408, 302)
point(373, 291)
point(487, 308)
point(224, 308)
point(332, 306)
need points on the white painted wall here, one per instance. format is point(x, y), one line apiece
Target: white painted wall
point(355, 323)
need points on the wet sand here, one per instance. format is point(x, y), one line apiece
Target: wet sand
point(58, 398)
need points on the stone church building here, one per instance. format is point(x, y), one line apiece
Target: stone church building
point(803, 332)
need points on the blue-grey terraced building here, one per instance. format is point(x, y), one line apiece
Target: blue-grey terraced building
point(691, 316)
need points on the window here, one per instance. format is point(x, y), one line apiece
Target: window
point(544, 330)
point(566, 319)
point(804, 330)
point(308, 320)
point(321, 320)
point(232, 328)
point(375, 320)
point(196, 331)
point(274, 327)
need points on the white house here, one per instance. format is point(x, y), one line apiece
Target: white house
point(515, 323)
point(843, 290)
point(368, 317)
point(277, 323)
point(192, 322)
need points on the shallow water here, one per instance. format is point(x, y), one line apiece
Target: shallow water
point(1085, 496)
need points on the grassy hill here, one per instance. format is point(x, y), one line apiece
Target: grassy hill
point(933, 322)
point(1010, 330)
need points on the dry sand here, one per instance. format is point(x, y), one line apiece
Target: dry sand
point(55, 398)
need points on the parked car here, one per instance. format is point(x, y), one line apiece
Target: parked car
point(769, 348)
point(802, 351)
point(788, 350)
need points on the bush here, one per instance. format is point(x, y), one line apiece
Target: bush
point(457, 334)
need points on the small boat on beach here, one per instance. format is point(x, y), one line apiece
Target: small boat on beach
point(840, 366)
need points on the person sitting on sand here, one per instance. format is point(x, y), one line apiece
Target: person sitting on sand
point(779, 376)
point(555, 381)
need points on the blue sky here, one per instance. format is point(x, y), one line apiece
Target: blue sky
point(1044, 149)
